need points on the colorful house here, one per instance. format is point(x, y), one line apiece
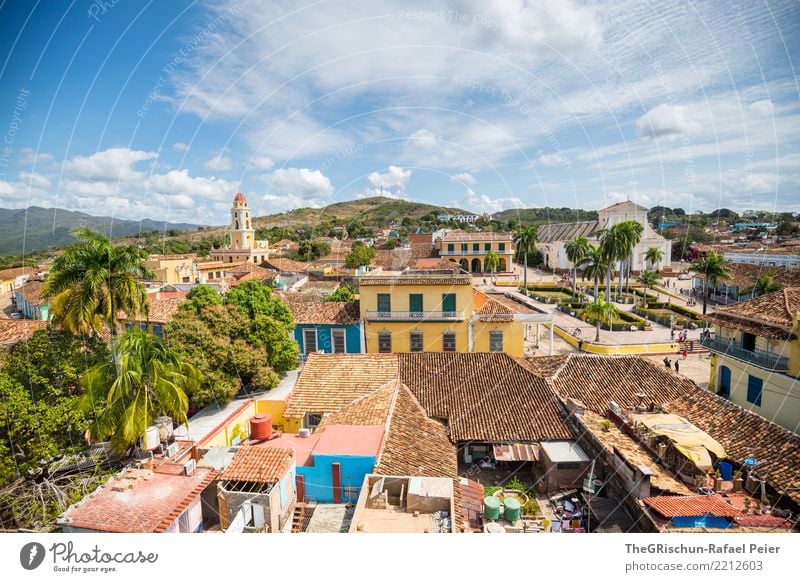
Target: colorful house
point(31, 301)
point(435, 311)
point(333, 327)
point(13, 279)
point(162, 308)
point(469, 249)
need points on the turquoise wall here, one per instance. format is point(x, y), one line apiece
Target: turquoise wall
point(352, 337)
point(319, 478)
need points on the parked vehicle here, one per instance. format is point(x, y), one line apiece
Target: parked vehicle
point(684, 277)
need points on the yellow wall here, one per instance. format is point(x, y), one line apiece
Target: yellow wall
point(164, 269)
point(513, 336)
point(275, 409)
point(239, 423)
point(401, 330)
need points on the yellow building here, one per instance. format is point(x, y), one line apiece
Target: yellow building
point(756, 355)
point(434, 311)
point(243, 244)
point(469, 249)
point(171, 269)
point(13, 279)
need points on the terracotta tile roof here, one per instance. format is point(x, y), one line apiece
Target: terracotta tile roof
point(545, 366)
point(285, 265)
point(16, 272)
point(393, 260)
point(370, 409)
point(161, 310)
point(259, 464)
point(311, 308)
point(436, 263)
point(761, 521)
point(415, 279)
point(13, 331)
point(594, 380)
point(476, 236)
point(739, 324)
point(328, 382)
point(691, 506)
point(32, 293)
point(484, 396)
point(138, 501)
point(742, 274)
point(489, 309)
point(778, 308)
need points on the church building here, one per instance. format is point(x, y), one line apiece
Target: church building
point(242, 245)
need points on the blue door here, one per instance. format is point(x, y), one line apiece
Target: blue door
point(724, 382)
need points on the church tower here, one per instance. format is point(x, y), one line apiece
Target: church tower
point(242, 233)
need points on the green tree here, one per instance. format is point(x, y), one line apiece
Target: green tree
point(92, 280)
point(712, 268)
point(576, 251)
point(762, 284)
point(600, 311)
point(649, 279)
point(594, 267)
point(220, 342)
point(147, 380)
point(490, 261)
point(526, 239)
point(201, 296)
point(360, 256)
point(653, 256)
point(342, 293)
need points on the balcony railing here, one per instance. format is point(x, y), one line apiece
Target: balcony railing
point(766, 360)
point(446, 253)
point(415, 316)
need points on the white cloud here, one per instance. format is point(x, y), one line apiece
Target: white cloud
point(219, 163)
point(111, 165)
point(556, 159)
point(180, 183)
point(480, 203)
point(394, 178)
point(465, 178)
point(667, 120)
point(180, 146)
point(261, 163)
point(423, 139)
point(307, 186)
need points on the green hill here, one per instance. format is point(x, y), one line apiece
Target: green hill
point(545, 215)
point(373, 211)
point(36, 229)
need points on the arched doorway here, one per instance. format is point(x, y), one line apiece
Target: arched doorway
point(501, 266)
point(464, 264)
point(476, 265)
point(724, 382)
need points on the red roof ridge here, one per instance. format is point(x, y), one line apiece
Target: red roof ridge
point(213, 431)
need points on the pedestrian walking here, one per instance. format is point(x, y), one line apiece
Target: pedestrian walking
point(676, 365)
point(580, 346)
point(666, 361)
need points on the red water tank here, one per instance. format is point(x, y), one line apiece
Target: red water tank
point(261, 427)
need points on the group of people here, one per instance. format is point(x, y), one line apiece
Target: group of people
point(668, 363)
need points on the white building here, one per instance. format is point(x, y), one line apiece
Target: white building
point(553, 236)
point(458, 217)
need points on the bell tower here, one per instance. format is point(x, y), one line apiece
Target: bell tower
point(242, 232)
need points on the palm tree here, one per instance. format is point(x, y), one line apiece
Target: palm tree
point(594, 267)
point(653, 256)
point(148, 380)
point(92, 280)
point(490, 261)
point(612, 246)
point(576, 251)
point(600, 311)
point(632, 233)
point(526, 239)
point(649, 279)
point(712, 268)
point(762, 284)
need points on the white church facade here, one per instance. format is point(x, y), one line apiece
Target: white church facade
point(552, 237)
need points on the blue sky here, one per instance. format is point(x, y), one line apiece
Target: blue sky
point(166, 109)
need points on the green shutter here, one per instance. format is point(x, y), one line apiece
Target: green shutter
point(448, 302)
point(384, 303)
point(415, 302)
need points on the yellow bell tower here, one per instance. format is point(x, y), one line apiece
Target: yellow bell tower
point(242, 233)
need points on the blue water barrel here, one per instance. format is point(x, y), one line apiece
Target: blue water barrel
point(725, 470)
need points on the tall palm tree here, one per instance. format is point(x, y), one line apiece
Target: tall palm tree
point(712, 268)
point(490, 261)
point(612, 245)
point(632, 231)
point(576, 251)
point(649, 279)
point(762, 284)
point(594, 267)
point(653, 256)
point(600, 311)
point(148, 380)
point(525, 239)
point(92, 280)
